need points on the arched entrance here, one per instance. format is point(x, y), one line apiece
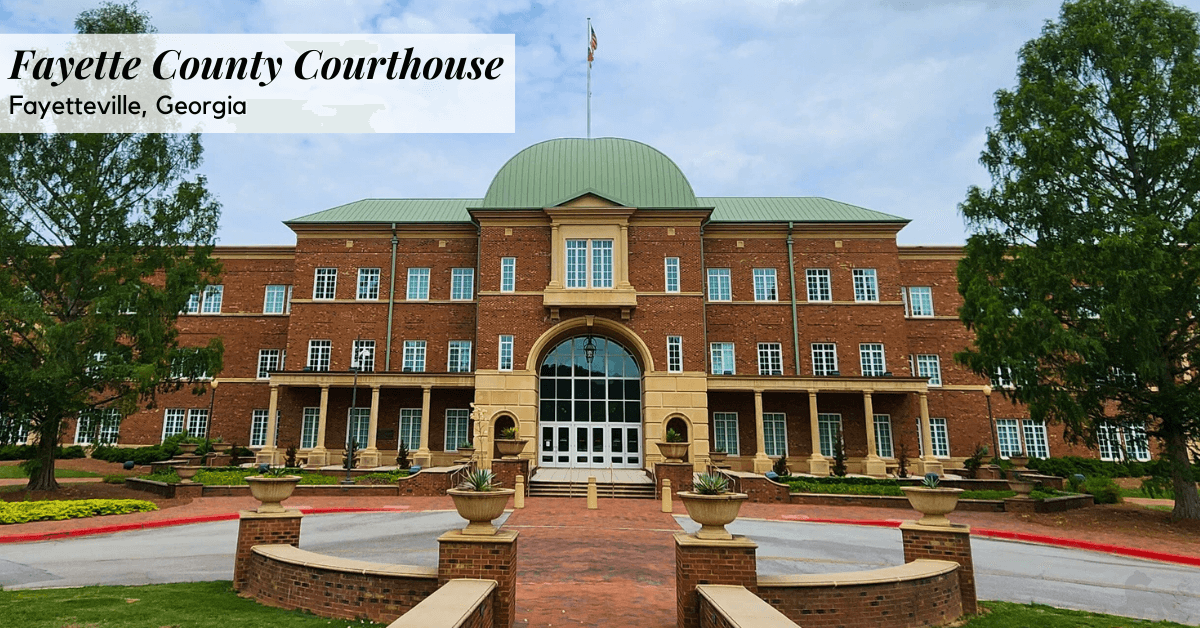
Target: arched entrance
point(591, 410)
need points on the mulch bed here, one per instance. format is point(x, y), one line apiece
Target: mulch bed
point(89, 490)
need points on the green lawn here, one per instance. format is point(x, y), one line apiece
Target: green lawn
point(15, 471)
point(1008, 615)
point(188, 605)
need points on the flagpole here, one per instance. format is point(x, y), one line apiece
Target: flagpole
point(589, 79)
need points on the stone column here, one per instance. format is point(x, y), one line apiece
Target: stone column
point(269, 450)
point(370, 456)
point(423, 457)
point(485, 558)
point(710, 562)
point(873, 465)
point(817, 464)
point(929, 462)
point(267, 528)
point(952, 543)
point(557, 259)
point(762, 463)
point(319, 456)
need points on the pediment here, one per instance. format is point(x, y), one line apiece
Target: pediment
point(590, 199)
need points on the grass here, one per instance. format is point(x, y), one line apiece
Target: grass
point(1009, 615)
point(15, 471)
point(185, 605)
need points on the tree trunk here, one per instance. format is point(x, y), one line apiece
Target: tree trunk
point(41, 476)
point(1187, 500)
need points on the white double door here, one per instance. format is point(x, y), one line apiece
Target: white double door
point(591, 445)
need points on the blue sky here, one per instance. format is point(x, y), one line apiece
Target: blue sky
point(879, 103)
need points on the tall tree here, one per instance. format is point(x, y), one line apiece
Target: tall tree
point(1082, 276)
point(103, 240)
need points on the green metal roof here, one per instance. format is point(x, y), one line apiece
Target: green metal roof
point(624, 171)
point(789, 209)
point(399, 210)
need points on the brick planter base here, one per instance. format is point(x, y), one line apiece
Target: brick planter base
point(485, 558)
point(952, 543)
point(254, 528)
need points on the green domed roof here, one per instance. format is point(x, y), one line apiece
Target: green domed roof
point(556, 171)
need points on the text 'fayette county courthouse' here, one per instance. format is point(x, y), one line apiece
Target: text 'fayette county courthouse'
point(592, 300)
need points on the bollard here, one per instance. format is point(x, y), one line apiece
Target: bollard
point(666, 495)
point(519, 497)
point(593, 503)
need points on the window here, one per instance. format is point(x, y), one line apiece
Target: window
point(919, 301)
point(824, 357)
point(459, 360)
point(269, 361)
point(358, 426)
point(770, 358)
point(276, 300)
point(506, 353)
point(674, 354)
point(318, 354)
point(718, 285)
point(197, 423)
point(414, 356)
point(722, 358)
point(601, 271)
point(870, 356)
point(183, 366)
point(410, 428)
point(828, 428)
point(865, 286)
point(1126, 442)
point(418, 284)
point(1108, 442)
point(325, 284)
point(725, 432)
point(97, 426)
point(1002, 377)
point(1035, 439)
point(883, 436)
point(930, 366)
point(765, 287)
point(368, 284)
point(940, 438)
point(671, 265)
point(817, 280)
point(212, 299)
point(462, 284)
point(1008, 438)
point(508, 274)
point(258, 428)
point(363, 357)
point(308, 429)
point(173, 422)
point(1136, 443)
point(13, 432)
point(775, 433)
point(193, 304)
point(458, 427)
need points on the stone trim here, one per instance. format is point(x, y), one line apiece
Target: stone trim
point(903, 573)
point(295, 556)
point(737, 607)
point(459, 603)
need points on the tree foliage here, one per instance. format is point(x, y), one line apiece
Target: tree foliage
point(1082, 279)
point(103, 238)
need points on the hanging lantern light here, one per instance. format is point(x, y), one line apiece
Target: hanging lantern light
point(589, 350)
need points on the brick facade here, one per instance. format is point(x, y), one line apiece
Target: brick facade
point(262, 529)
point(937, 543)
point(710, 562)
point(483, 558)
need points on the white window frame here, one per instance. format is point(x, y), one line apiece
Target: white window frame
point(602, 271)
point(275, 299)
point(458, 426)
point(775, 434)
point(325, 284)
point(320, 355)
point(508, 274)
point(770, 358)
point(366, 362)
point(259, 420)
point(358, 424)
point(1008, 438)
point(1113, 442)
point(410, 428)
point(674, 354)
point(884, 446)
point(818, 284)
point(725, 432)
point(722, 357)
point(671, 274)
point(919, 301)
point(310, 425)
point(871, 359)
point(590, 263)
point(174, 422)
point(193, 304)
point(766, 285)
point(1137, 443)
point(929, 365)
point(719, 286)
point(505, 353)
point(866, 285)
point(1037, 445)
point(269, 361)
point(823, 354)
point(458, 356)
point(462, 284)
point(107, 432)
point(213, 296)
point(368, 284)
point(416, 287)
point(1002, 377)
point(829, 424)
point(414, 356)
point(197, 422)
point(939, 436)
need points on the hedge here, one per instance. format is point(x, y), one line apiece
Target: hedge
point(24, 512)
point(235, 476)
point(25, 452)
point(1067, 466)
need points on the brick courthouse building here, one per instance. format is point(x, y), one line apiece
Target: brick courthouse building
point(592, 300)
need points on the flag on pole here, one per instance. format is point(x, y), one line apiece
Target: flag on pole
point(591, 45)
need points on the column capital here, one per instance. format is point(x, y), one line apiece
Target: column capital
point(375, 387)
point(324, 386)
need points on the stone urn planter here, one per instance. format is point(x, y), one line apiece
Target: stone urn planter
point(510, 448)
point(673, 452)
point(466, 452)
point(272, 490)
point(186, 473)
point(1019, 462)
point(713, 512)
point(717, 457)
point(222, 447)
point(933, 503)
point(480, 508)
point(188, 448)
point(1021, 487)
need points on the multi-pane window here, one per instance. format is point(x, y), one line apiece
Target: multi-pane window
point(97, 426)
point(368, 284)
point(722, 358)
point(309, 426)
point(410, 427)
point(770, 358)
point(193, 303)
point(1136, 443)
point(358, 427)
point(1120, 443)
point(674, 354)
point(197, 422)
point(866, 288)
point(418, 284)
point(508, 274)
point(1035, 439)
point(600, 273)
point(930, 366)
point(940, 438)
point(870, 356)
point(725, 432)
point(462, 284)
point(363, 357)
point(671, 269)
point(269, 361)
point(213, 296)
point(1107, 440)
point(319, 352)
point(765, 286)
point(459, 357)
point(883, 436)
point(258, 428)
point(775, 433)
point(458, 427)
point(1008, 437)
point(817, 281)
point(506, 353)
point(828, 428)
point(414, 356)
point(325, 283)
point(173, 422)
point(718, 285)
point(602, 263)
point(275, 301)
point(919, 301)
point(1002, 377)
point(824, 358)
point(577, 263)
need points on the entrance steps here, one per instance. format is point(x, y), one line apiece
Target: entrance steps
point(624, 484)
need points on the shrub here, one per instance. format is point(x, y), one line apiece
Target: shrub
point(114, 478)
point(139, 455)
point(781, 467)
point(402, 456)
point(25, 452)
point(1158, 487)
point(381, 478)
point(973, 463)
point(24, 512)
point(839, 455)
point(1103, 490)
point(902, 461)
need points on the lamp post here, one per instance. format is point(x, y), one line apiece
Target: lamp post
point(212, 397)
point(356, 362)
point(987, 394)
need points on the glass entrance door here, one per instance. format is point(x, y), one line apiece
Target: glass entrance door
point(591, 411)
